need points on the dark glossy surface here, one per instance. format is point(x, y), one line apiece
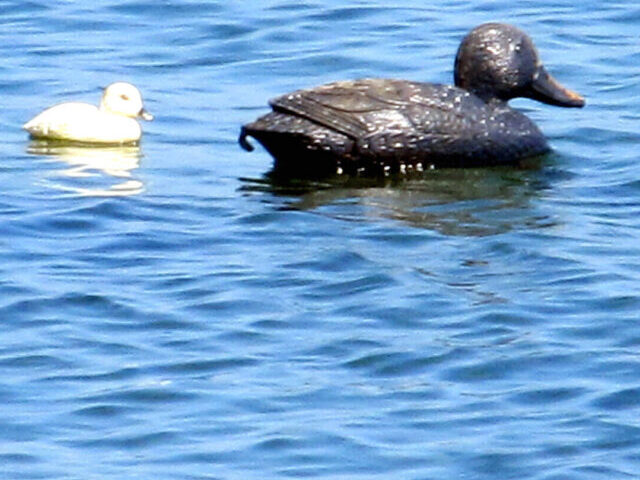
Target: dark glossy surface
point(370, 126)
point(173, 312)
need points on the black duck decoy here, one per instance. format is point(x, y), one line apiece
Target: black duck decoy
point(396, 125)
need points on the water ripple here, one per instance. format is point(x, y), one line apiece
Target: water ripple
point(178, 310)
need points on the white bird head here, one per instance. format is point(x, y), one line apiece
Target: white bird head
point(122, 98)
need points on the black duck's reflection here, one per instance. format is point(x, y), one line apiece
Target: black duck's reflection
point(91, 170)
point(468, 202)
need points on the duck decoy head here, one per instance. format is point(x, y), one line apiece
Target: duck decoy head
point(499, 61)
point(125, 99)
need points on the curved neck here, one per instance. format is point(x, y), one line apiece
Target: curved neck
point(489, 98)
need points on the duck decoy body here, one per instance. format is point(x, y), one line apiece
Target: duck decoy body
point(395, 124)
point(112, 123)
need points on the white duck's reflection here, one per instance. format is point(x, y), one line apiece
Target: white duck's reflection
point(92, 171)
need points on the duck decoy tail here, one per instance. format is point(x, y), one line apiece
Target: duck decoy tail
point(242, 140)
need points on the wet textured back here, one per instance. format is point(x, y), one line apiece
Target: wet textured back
point(390, 123)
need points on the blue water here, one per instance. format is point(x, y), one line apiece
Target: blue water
point(173, 312)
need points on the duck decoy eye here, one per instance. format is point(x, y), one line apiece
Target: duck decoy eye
point(124, 97)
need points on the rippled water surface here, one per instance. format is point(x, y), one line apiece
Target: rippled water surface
point(174, 312)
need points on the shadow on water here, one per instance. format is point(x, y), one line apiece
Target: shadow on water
point(102, 171)
point(467, 202)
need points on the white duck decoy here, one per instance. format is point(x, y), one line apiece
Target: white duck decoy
point(114, 122)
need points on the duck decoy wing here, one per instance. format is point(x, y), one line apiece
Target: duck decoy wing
point(345, 106)
point(360, 108)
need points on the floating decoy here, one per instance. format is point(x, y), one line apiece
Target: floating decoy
point(113, 122)
point(396, 125)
